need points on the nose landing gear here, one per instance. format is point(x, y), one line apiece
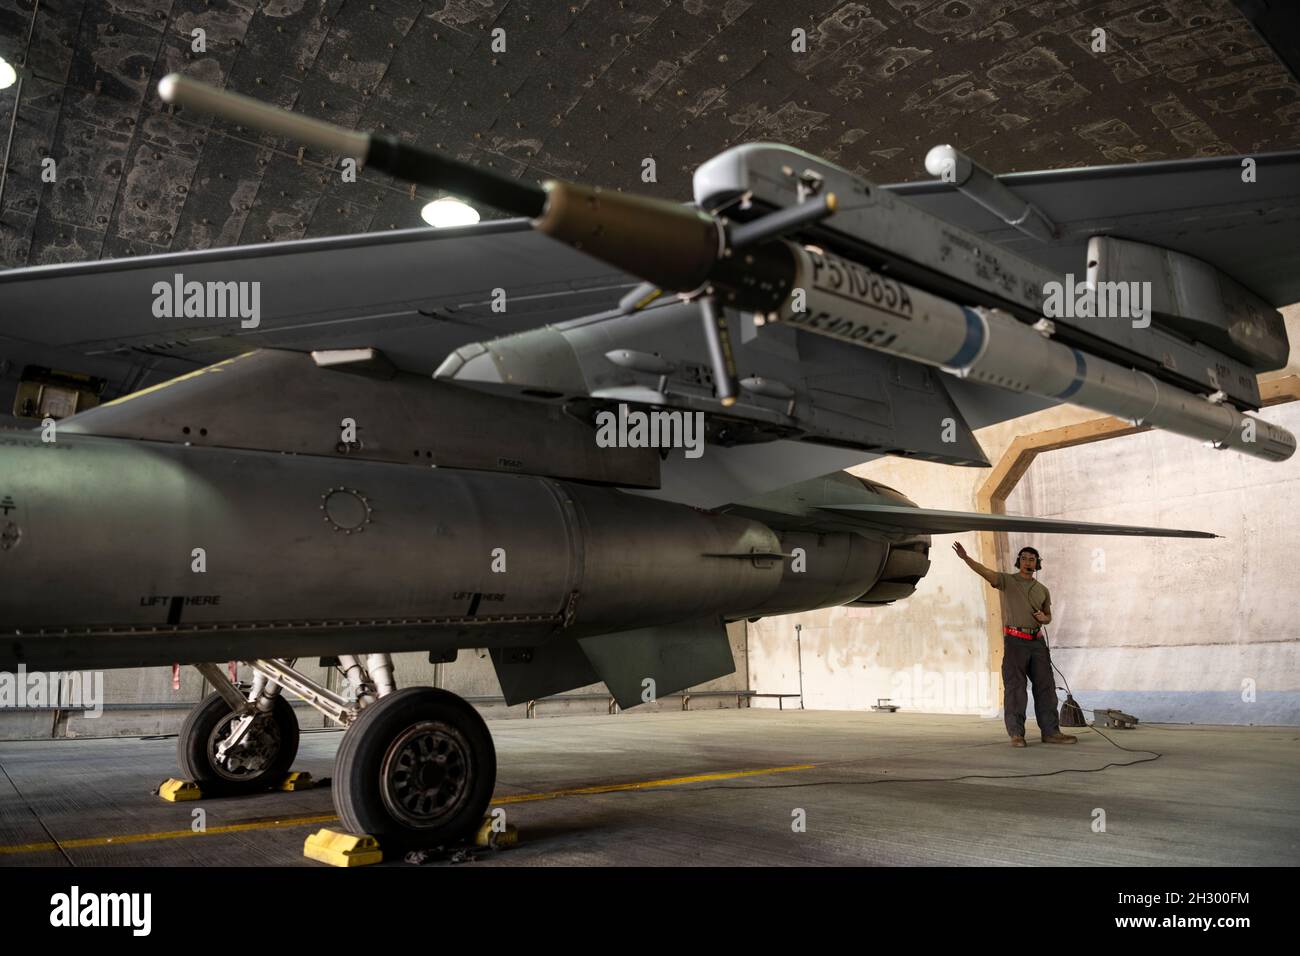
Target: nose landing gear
point(260, 759)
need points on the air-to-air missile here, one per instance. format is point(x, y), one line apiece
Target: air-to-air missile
point(221, 516)
point(748, 266)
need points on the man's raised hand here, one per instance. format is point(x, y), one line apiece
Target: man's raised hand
point(961, 552)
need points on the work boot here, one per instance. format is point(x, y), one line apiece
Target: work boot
point(1059, 738)
point(1018, 742)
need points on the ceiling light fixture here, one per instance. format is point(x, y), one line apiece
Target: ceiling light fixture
point(442, 213)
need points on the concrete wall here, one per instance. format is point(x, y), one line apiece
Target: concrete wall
point(142, 702)
point(1170, 629)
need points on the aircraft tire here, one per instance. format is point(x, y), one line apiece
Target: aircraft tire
point(275, 748)
point(415, 770)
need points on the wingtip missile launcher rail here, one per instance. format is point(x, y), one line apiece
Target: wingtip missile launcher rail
point(887, 276)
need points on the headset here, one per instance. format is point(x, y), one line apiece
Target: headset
point(1036, 555)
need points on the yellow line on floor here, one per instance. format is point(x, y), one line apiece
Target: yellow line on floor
point(647, 784)
point(331, 818)
point(167, 834)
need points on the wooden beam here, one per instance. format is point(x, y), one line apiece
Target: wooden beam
point(1275, 391)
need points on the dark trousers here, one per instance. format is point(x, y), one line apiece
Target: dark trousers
point(1023, 659)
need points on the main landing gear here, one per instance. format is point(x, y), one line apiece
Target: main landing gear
point(415, 769)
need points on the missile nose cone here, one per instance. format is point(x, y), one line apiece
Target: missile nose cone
point(537, 361)
point(472, 363)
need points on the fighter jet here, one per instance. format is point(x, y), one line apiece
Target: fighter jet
point(585, 439)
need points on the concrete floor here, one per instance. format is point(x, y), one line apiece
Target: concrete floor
point(1218, 796)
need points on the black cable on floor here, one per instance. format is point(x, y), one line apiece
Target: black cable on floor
point(971, 776)
point(1070, 693)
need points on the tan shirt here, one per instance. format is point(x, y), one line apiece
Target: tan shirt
point(1020, 598)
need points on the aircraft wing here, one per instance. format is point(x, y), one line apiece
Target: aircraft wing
point(415, 294)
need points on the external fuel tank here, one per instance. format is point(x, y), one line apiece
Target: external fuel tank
point(166, 552)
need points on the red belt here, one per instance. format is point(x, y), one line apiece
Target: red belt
point(1017, 633)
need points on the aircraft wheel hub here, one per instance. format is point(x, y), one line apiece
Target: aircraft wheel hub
point(253, 754)
point(425, 774)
